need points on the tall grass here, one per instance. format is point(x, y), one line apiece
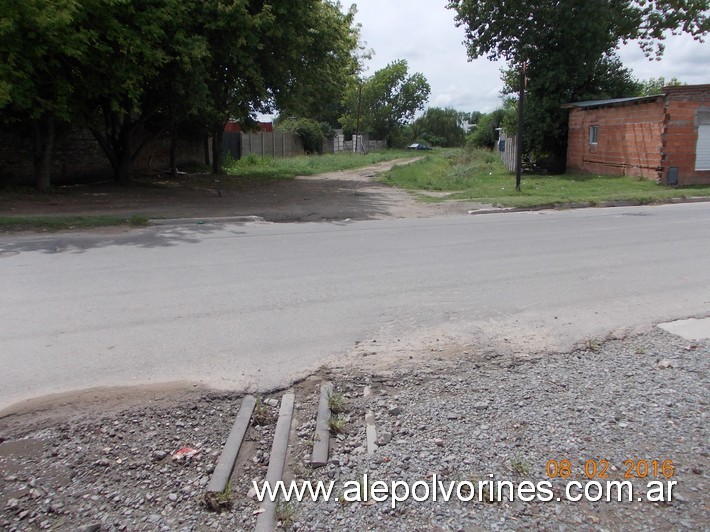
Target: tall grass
point(258, 167)
point(479, 175)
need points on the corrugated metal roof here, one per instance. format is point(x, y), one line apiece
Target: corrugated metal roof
point(612, 102)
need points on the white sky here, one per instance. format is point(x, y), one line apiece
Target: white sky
point(423, 33)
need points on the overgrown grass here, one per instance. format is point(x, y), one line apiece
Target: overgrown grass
point(257, 167)
point(63, 223)
point(479, 175)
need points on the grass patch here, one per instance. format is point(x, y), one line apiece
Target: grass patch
point(256, 167)
point(336, 424)
point(479, 175)
point(336, 402)
point(63, 223)
point(219, 501)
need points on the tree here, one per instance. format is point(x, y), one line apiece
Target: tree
point(37, 45)
point(569, 48)
point(268, 53)
point(309, 131)
point(138, 51)
point(328, 63)
point(485, 134)
point(551, 82)
point(385, 102)
point(654, 86)
point(440, 127)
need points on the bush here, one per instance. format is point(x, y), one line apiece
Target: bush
point(309, 131)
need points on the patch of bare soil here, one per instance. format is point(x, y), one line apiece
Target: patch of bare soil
point(348, 194)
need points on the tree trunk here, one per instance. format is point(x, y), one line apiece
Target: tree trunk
point(43, 151)
point(123, 169)
point(173, 150)
point(217, 151)
point(207, 150)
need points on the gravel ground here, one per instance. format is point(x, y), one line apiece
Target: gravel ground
point(461, 414)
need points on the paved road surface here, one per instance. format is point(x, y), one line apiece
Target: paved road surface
point(250, 305)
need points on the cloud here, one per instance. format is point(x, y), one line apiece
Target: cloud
point(424, 33)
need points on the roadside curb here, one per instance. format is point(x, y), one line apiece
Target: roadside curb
point(321, 445)
point(225, 464)
point(207, 220)
point(603, 204)
point(277, 461)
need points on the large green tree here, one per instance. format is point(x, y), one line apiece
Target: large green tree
point(38, 44)
point(384, 103)
point(328, 62)
point(440, 127)
point(268, 54)
point(127, 87)
point(569, 48)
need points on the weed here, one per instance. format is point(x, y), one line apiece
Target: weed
point(261, 415)
point(480, 176)
point(520, 466)
point(285, 513)
point(336, 424)
point(336, 402)
point(138, 220)
point(218, 501)
point(592, 345)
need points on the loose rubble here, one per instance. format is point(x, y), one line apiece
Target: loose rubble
point(463, 417)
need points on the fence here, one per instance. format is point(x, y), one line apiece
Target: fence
point(268, 144)
point(506, 148)
point(277, 144)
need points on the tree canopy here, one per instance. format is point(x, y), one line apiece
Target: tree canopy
point(440, 127)
point(130, 71)
point(569, 47)
point(385, 102)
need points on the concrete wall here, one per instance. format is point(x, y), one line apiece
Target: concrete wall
point(270, 144)
point(628, 141)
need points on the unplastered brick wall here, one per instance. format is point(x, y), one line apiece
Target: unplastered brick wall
point(78, 157)
point(628, 139)
point(683, 106)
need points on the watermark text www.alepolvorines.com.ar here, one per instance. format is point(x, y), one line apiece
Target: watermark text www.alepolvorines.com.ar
point(436, 490)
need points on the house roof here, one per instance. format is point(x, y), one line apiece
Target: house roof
point(613, 102)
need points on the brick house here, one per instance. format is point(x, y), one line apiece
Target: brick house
point(664, 137)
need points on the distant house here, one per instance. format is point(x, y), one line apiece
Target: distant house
point(665, 137)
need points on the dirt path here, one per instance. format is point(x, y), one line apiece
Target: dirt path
point(349, 194)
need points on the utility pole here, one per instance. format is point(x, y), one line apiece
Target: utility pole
point(357, 126)
point(519, 139)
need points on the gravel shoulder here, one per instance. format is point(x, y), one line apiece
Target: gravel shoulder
point(460, 412)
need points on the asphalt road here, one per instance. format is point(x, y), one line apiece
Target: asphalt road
point(250, 305)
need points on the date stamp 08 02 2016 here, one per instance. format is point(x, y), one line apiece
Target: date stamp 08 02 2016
point(600, 469)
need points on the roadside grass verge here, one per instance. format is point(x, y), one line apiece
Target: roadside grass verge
point(254, 167)
point(63, 223)
point(479, 175)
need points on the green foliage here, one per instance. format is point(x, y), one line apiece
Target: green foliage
point(309, 131)
point(384, 103)
point(518, 30)
point(654, 86)
point(569, 49)
point(331, 62)
point(479, 175)
point(553, 80)
point(485, 134)
point(257, 167)
point(132, 70)
point(440, 127)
